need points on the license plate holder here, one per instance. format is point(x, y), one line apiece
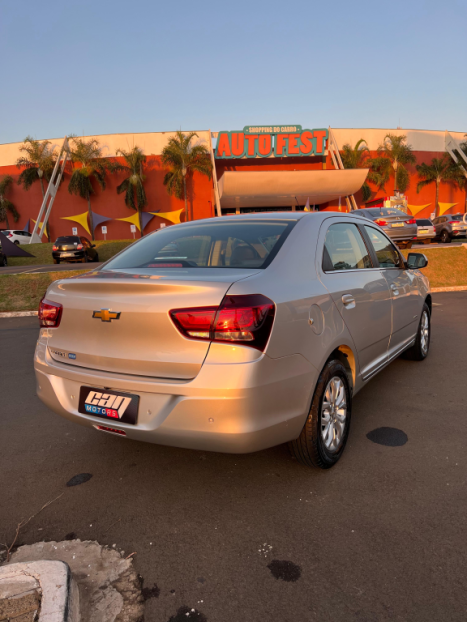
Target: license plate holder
point(397, 224)
point(101, 402)
point(68, 254)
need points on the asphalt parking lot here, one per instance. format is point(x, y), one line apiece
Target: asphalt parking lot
point(259, 537)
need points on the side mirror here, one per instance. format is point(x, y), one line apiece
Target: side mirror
point(416, 261)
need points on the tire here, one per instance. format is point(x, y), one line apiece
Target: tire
point(420, 349)
point(4, 261)
point(96, 258)
point(310, 448)
point(56, 260)
point(409, 245)
point(16, 242)
point(445, 238)
point(85, 259)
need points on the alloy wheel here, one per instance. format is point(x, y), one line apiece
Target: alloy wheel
point(424, 333)
point(333, 414)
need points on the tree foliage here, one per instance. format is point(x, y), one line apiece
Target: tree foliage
point(358, 157)
point(37, 162)
point(6, 206)
point(442, 169)
point(133, 184)
point(393, 156)
point(179, 155)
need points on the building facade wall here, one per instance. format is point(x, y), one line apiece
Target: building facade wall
point(200, 191)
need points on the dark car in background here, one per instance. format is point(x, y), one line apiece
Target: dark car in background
point(399, 226)
point(74, 248)
point(450, 227)
point(3, 259)
point(425, 230)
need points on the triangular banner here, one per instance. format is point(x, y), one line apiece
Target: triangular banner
point(172, 216)
point(444, 207)
point(39, 228)
point(133, 220)
point(10, 249)
point(97, 219)
point(146, 218)
point(81, 219)
point(415, 209)
point(26, 228)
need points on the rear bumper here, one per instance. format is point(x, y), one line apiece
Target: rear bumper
point(232, 408)
point(62, 255)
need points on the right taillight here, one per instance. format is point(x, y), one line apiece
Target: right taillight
point(381, 222)
point(50, 313)
point(244, 320)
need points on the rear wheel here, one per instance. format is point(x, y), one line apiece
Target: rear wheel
point(4, 261)
point(96, 258)
point(85, 259)
point(56, 260)
point(408, 245)
point(16, 242)
point(419, 350)
point(445, 238)
point(324, 435)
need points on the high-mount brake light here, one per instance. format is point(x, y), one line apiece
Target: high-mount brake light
point(381, 222)
point(50, 313)
point(244, 320)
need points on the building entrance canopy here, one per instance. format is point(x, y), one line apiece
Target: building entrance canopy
point(281, 188)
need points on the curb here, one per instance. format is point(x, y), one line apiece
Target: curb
point(459, 288)
point(18, 314)
point(49, 581)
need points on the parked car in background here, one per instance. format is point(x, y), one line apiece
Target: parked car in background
point(234, 334)
point(74, 248)
point(3, 259)
point(447, 228)
point(17, 236)
point(399, 226)
point(425, 230)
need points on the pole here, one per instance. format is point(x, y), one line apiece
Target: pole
point(214, 177)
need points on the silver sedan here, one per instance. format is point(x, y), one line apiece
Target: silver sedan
point(234, 334)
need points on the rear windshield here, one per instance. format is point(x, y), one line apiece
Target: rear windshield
point(70, 239)
point(235, 244)
point(455, 216)
point(424, 222)
point(386, 211)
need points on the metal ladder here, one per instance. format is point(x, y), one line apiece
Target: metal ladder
point(52, 188)
point(333, 149)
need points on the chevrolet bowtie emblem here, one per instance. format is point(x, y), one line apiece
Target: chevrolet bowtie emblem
point(106, 315)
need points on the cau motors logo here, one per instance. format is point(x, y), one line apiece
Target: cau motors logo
point(106, 404)
point(282, 141)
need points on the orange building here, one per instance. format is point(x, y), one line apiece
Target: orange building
point(259, 168)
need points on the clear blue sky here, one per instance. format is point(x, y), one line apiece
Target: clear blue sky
point(101, 66)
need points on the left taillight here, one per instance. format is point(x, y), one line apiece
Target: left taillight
point(243, 320)
point(50, 313)
point(54, 248)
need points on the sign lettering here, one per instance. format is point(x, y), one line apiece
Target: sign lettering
point(282, 141)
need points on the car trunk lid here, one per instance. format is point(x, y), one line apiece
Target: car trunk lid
point(119, 321)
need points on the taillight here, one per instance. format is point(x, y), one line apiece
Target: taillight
point(453, 222)
point(50, 313)
point(381, 222)
point(10, 235)
point(245, 320)
point(54, 248)
point(80, 247)
point(412, 221)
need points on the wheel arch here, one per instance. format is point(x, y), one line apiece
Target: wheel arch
point(345, 354)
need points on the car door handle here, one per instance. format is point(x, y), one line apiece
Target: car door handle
point(395, 290)
point(349, 301)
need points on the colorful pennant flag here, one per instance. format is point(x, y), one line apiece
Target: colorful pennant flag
point(415, 209)
point(172, 216)
point(444, 207)
point(81, 219)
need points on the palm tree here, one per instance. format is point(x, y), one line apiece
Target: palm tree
point(38, 164)
point(183, 160)
point(93, 166)
point(6, 205)
point(358, 157)
point(393, 156)
point(133, 186)
point(442, 169)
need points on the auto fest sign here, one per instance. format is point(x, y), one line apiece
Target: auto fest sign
point(264, 141)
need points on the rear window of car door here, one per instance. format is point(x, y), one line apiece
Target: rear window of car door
point(344, 249)
point(386, 253)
